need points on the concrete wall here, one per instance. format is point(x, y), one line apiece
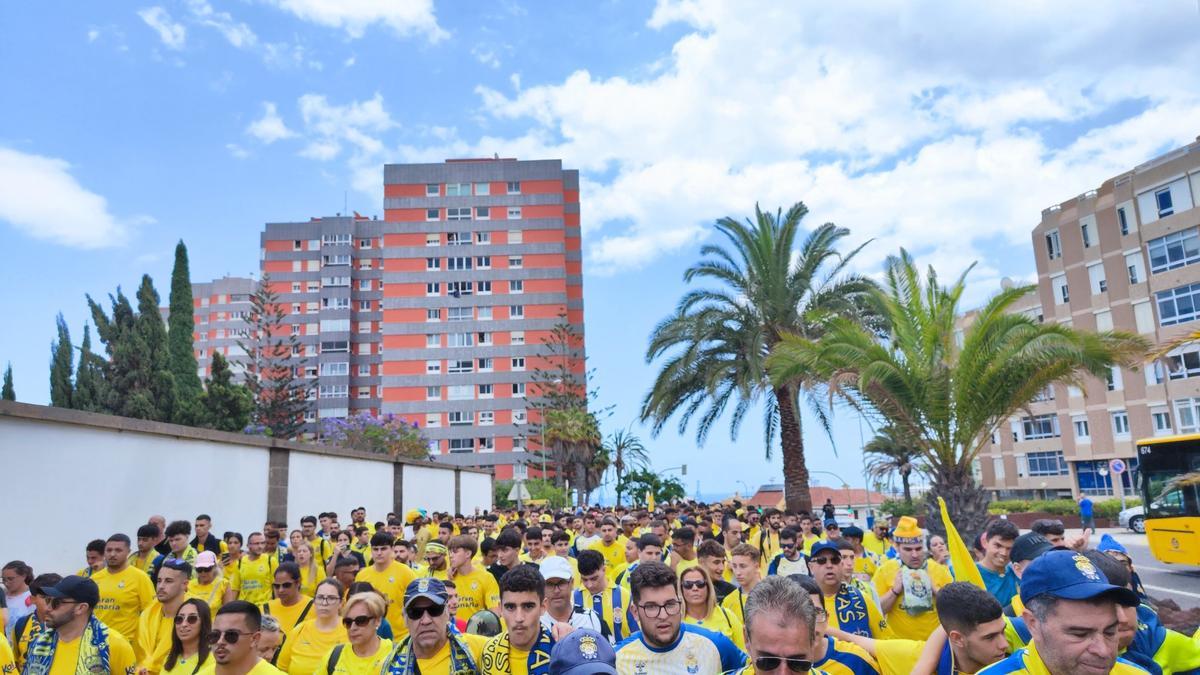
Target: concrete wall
point(71, 477)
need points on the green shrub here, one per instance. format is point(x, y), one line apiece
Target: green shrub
point(899, 507)
point(1109, 508)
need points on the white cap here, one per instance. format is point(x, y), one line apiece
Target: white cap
point(555, 567)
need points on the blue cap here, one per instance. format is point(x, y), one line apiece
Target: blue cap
point(583, 652)
point(852, 532)
point(823, 546)
point(1071, 576)
point(1107, 543)
point(426, 587)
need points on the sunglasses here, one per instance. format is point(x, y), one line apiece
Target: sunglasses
point(415, 613)
point(769, 663)
point(359, 621)
point(698, 583)
point(204, 570)
point(286, 584)
point(191, 619)
point(825, 561)
point(55, 603)
point(231, 636)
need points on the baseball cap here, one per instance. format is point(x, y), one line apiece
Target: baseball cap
point(77, 588)
point(830, 522)
point(852, 532)
point(583, 652)
point(431, 589)
point(206, 559)
point(555, 567)
point(823, 547)
point(1029, 546)
point(1071, 576)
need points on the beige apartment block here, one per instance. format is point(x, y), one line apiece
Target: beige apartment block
point(1124, 256)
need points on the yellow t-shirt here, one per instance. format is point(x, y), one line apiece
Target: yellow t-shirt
point(32, 628)
point(8, 665)
point(722, 621)
point(264, 668)
point(154, 637)
point(188, 666)
point(614, 555)
point(735, 602)
point(684, 565)
point(517, 664)
point(350, 663)
point(123, 598)
point(305, 645)
point(290, 617)
point(213, 594)
point(255, 578)
point(477, 590)
point(120, 656)
point(391, 582)
point(904, 625)
point(874, 544)
point(876, 622)
point(898, 656)
point(440, 662)
point(309, 581)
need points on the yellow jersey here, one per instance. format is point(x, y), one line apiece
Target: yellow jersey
point(440, 662)
point(306, 645)
point(1026, 661)
point(188, 666)
point(614, 555)
point(613, 605)
point(723, 621)
point(476, 591)
point(349, 663)
point(289, 617)
point(904, 625)
point(310, 578)
point(123, 597)
point(154, 637)
point(213, 594)
point(391, 582)
point(121, 660)
point(254, 578)
point(735, 602)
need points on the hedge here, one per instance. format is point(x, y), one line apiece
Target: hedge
point(1108, 508)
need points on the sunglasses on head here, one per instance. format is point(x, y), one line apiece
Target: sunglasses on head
point(359, 621)
point(769, 663)
point(191, 619)
point(415, 613)
point(231, 636)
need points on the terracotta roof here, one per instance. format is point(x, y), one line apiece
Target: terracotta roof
point(771, 495)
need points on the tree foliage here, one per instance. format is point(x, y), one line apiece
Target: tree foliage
point(223, 405)
point(181, 326)
point(61, 359)
point(7, 392)
point(387, 435)
point(89, 377)
point(890, 454)
point(627, 453)
point(714, 346)
point(280, 398)
point(664, 488)
point(539, 488)
point(137, 379)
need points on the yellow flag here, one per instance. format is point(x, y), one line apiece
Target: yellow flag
point(960, 556)
point(650, 501)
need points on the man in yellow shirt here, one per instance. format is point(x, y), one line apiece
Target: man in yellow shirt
point(75, 639)
point(237, 629)
point(477, 588)
point(255, 571)
point(746, 571)
point(767, 539)
point(157, 621)
point(877, 540)
point(147, 536)
point(125, 591)
point(907, 586)
point(390, 579)
point(611, 546)
point(523, 648)
point(683, 550)
point(322, 549)
point(435, 561)
point(432, 648)
point(847, 608)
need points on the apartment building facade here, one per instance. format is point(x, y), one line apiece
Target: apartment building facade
point(221, 307)
point(1121, 257)
point(438, 312)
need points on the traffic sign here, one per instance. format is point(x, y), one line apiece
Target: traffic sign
point(518, 492)
point(1117, 466)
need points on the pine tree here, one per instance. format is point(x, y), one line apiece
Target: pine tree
point(60, 367)
point(224, 406)
point(7, 393)
point(280, 398)
point(89, 377)
point(138, 382)
point(181, 324)
point(114, 332)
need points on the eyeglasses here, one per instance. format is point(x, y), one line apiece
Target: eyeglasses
point(652, 610)
point(769, 663)
point(826, 561)
point(55, 603)
point(286, 584)
point(326, 599)
point(191, 619)
point(698, 583)
point(203, 570)
point(359, 621)
point(231, 636)
point(788, 545)
point(415, 613)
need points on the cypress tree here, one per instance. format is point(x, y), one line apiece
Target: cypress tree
point(224, 406)
point(180, 327)
point(89, 377)
point(115, 333)
point(138, 381)
point(280, 398)
point(156, 382)
point(61, 358)
point(6, 392)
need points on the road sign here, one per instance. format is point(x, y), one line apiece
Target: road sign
point(518, 492)
point(520, 472)
point(1117, 466)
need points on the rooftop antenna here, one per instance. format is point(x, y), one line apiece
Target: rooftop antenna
point(345, 202)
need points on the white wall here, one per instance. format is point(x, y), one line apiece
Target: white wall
point(476, 492)
point(319, 483)
point(428, 488)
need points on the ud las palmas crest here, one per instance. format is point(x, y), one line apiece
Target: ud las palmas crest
point(587, 648)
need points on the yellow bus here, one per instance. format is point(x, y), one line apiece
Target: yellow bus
point(1169, 481)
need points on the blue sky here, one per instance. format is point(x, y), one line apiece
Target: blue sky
point(128, 126)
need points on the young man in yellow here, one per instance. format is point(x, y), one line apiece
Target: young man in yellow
point(683, 550)
point(477, 588)
point(157, 622)
point(767, 539)
point(390, 578)
point(612, 546)
point(536, 548)
point(74, 639)
point(30, 626)
point(846, 607)
point(290, 606)
point(436, 565)
point(208, 585)
point(239, 636)
point(877, 540)
point(322, 549)
point(524, 648)
point(125, 591)
point(611, 603)
point(255, 571)
point(746, 570)
point(143, 559)
point(907, 585)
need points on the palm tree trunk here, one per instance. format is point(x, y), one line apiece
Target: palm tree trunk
point(904, 478)
point(795, 472)
point(618, 472)
point(964, 499)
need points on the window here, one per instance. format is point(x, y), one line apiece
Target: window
point(459, 392)
point(334, 391)
point(483, 189)
point(483, 213)
point(311, 307)
point(296, 287)
point(518, 363)
point(458, 314)
point(486, 418)
point(1162, 199)
point(339, 259)
point(1046, 394)
point(433, 367)
point(332, 282)
point(458, 239)
point(513, 187)
point(1053, 247)
point(295, 329)
point(364, 243)
point(433, 341)
point(485, 391)
point(1120, 423)
point(364, 370)
point(1178, 305)
point(1143, 317)
point(516, 286)
point(462, 444)
point(516, 312)
point(518, 389)
point(1104, 320)
point(1155, 373)
point(364, 392)
point(433, 264)
point(432, 190)
point(458, 264)
point(1187, 415)
point(308, 371)
point(1174, 250)
point(458, 339)
point(483, 262)
point(335, 346)
point(1160, 420)
point(335, 303)
point(484, 287)
point(1085, 230)
point(433, 393)
point(1184, 364)
point(433, 239)
point(1133, 265)
point(433, 289)
point(1040, 426)
point(297, 245)
point(458, 189)
point(515, 262)
point(1047, 464)
point(1081, 428)
point(514, 213)
point(460, 213)
point(1123, 220)
point(335, 325)
point(336, 238)
point(485, 339)
point(433, 420)
point(483, 237)
point(457, 289)
point(485, 314)
point(487, 444)
point(460, 418)
point(364, 284)
point(1112, 379)
point(519, 416)
point(518, 337)
point(365, 264)
point(335, 368)
point(998, 467)
point(459, 366)
point(485, 365)
point(1099, 282)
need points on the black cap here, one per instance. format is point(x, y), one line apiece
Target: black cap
point(79, 589)
point(1029, 546)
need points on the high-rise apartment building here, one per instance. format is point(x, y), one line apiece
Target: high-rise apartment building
point(221, 306)
point(438, 312)
point(1123, 256)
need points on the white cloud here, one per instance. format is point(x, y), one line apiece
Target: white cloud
point(270, 127)
point(237, 151)
point(40, 197)
point(172, 34)
point(92, 34)
point(349, 62)
point(405, 17)
point(486, 56)
point(237, 33)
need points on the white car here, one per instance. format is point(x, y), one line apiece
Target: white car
point(1134, 518)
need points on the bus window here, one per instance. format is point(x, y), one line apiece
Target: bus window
point(1176, 496)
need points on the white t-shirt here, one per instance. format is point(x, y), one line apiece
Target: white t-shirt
point(18, 606)
point(580, 618)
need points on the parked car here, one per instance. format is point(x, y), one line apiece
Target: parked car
point(1134, 518)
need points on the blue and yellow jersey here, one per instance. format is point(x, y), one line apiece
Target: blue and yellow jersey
point(613, 606)
point(856, 612)
point(695, 650)
point(1027, 661)
point(721, 620)
point(1174, 652)
point(845, 658)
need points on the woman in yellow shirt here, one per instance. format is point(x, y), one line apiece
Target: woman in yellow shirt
point(189, 653)
point(701, 608)
point(310, 572)
point(310, 640)
point(364, 652)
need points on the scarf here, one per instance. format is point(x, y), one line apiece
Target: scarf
point(918, 589)
point(402, 660)
point(93, 651)
point(850, 609)
point(495, 655)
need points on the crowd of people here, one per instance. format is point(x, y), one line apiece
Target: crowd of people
point(695, 589)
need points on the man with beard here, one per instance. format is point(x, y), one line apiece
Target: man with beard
point(234, 640)
point(76, 641)
point(431, 648)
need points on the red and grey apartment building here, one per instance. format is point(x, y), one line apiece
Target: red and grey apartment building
point(438, 312)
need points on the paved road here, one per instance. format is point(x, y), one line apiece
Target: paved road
point(1180, 583)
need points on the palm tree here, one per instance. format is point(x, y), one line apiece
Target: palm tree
point(627, 453)
point(716, 342)
point(573, 436)
point(948, 399)
point(889, 454)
